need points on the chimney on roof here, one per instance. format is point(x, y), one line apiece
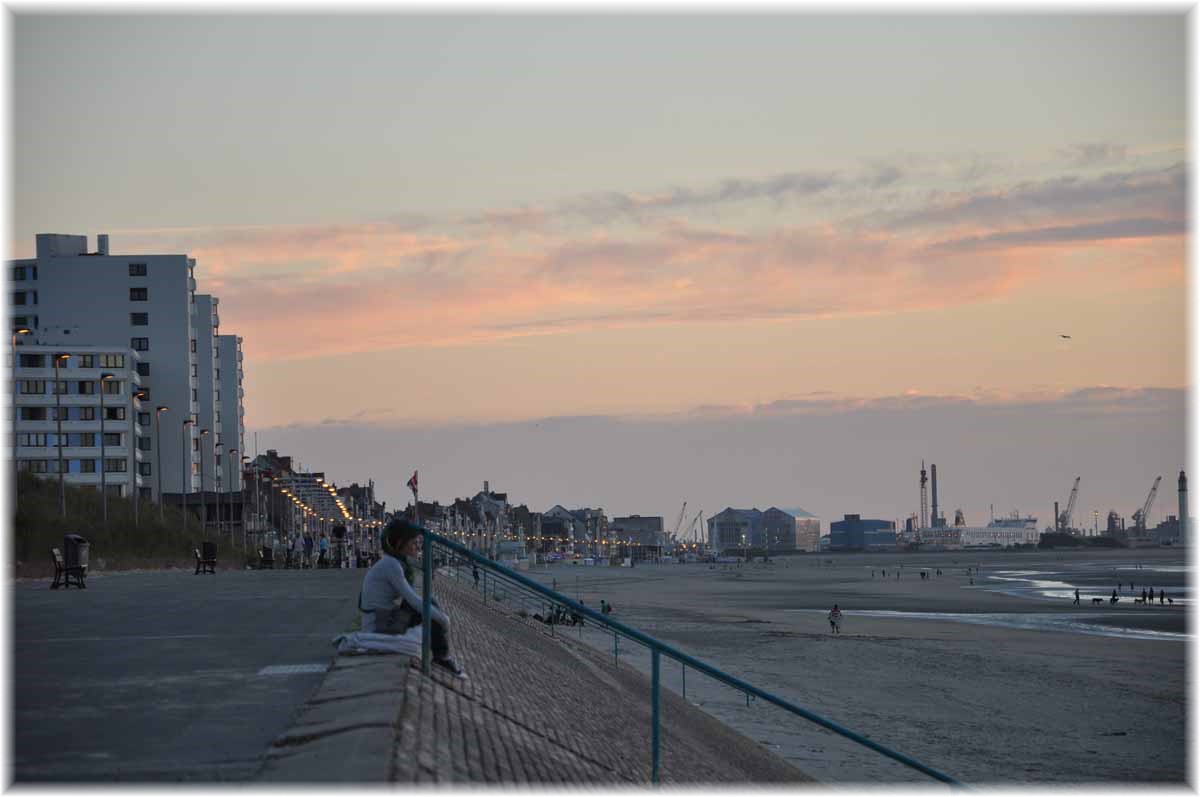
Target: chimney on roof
point(102, 244)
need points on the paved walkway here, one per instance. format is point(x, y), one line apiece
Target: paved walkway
point(536, 709)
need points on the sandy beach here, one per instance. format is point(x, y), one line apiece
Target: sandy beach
point(1034, 689)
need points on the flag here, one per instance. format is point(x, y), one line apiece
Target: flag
point(412, 483)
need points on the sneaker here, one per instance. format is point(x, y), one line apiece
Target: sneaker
point(451, 665)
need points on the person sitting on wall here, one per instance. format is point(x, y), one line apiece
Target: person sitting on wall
point(388, 603)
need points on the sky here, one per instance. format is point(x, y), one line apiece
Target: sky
point(628, 260)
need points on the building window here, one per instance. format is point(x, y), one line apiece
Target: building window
point(143, 369)
point(139, 319)
point(143, 419)
point(112, 388)
point(116, 465)
point(144, 443)
point(19, 273)
point(137, 269)
point(87, 439)
point(217, 374)
point(19, 297)
point(195, 395)
point(86, 387)
point(144, 470)
point(139, 344)
point(33, 413)
point(139, 294)
point(31, 387)
point(33, 361)
point(112, 360)
point(37, 440)
point(195, 444)
point(195, 370)
point(217, 396)
point(114, 413)
point(87, 361)
point(20, 321)
point(193, 345)
point(87, 413)
point(218, 417)
point(87, 466)
point(112, 438)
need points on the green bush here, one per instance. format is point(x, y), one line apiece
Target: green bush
point(38, 527)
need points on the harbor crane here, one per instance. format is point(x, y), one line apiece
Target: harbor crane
point(1141, 516)
point(1064, 520)
point(678, 523)
point(692, 533)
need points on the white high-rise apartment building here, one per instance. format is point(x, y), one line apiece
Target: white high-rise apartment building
point(206, 323)
point(63, 424)
point(139, 302)
point(228, 381)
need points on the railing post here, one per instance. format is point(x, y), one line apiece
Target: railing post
point(654, 718)
point(426, 600)
point(683, 667)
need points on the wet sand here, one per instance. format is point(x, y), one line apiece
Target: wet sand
point(985, 704)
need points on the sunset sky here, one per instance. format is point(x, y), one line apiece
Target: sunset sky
point(630, 260)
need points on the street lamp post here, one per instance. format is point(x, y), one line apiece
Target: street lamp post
point(217, 481)
point(62, 488)
point(103, 476)
point(186, 484)
point(16, 332)
point(203, 497)
point(230, 481)
point(133, 476)
point(158, 411)
point(242, 464)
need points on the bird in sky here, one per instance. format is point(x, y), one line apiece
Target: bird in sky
point(1068, 337)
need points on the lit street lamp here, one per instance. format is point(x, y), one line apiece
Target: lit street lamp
point(217, 481)
point(133, 476)
point(103, 485)
point(186, 484)
point(16, 332)
point(203, 497)
point(62, 489)
point(158, 411)
point(230, 481)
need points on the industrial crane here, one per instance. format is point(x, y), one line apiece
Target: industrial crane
point(1064, 520)
point(678, 523)
point(692, 533)
point(1142, 515)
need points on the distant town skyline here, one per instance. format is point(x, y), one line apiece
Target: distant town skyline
point(656, 229)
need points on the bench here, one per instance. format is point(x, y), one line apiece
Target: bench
point(204, 565)
point(64, 574)
point(266, 558)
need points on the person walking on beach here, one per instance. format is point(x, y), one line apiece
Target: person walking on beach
point(835, 620)
point(1143, 594)
point(1162, 596)
point(1076, 597)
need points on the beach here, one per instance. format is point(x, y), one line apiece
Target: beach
point(994, 677)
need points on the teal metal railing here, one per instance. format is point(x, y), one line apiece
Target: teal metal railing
point(510, 584)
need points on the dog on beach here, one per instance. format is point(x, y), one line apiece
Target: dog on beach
point(1097, 601)
point(1139, 600)
point(1171, 601)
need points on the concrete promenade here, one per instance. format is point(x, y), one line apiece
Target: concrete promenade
point(536, 709)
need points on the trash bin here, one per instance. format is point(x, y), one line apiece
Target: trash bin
point(208, 550)
point(75, 552)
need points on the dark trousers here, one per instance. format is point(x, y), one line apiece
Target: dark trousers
point(399, 619)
